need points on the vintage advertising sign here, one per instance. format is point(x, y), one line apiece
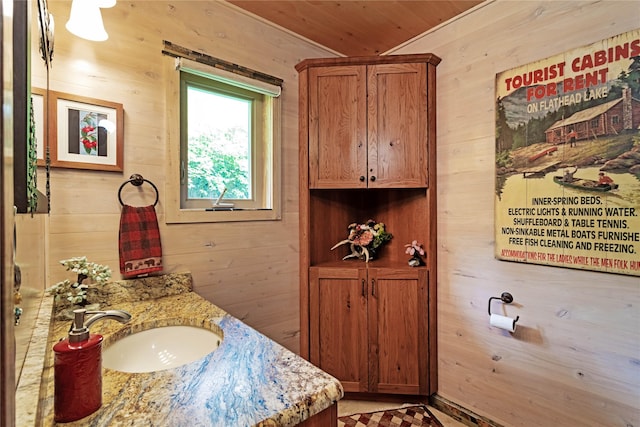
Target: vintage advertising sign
point(568, 159)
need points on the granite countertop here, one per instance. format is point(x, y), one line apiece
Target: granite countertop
point(248, 381)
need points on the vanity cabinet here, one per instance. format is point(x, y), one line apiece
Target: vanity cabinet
point(367, 151)
point(368, 328)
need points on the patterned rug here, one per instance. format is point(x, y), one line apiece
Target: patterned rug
point(413, 416)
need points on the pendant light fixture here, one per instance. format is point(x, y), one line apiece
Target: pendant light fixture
point(85, 19)
point(105, 4)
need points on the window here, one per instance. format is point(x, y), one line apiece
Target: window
point(223, 148)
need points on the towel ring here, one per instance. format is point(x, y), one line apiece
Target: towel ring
point(137, 180)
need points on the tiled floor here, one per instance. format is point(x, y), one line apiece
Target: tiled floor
point(348, 407)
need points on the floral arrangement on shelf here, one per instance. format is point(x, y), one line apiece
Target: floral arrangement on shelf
point(365, 239)
point(76, 292)
point(416, 251)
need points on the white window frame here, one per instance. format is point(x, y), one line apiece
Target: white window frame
point(271, 179)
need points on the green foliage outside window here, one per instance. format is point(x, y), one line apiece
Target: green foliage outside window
point(218, 160)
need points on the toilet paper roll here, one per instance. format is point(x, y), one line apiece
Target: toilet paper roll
point(503, 322)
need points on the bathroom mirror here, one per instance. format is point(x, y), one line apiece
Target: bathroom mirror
point(23, 232)
point(30, 112)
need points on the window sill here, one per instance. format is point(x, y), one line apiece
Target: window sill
point(235, 215)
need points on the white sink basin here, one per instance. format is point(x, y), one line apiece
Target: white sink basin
point(160, 348)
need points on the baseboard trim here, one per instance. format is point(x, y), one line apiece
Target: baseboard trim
point(460, 413)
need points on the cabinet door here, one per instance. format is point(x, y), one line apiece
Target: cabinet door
point(338, 324)
point(397, 125)
point(398, 331)
point(337, 127)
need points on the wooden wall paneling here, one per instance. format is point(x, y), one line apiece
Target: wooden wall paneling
point(567, 362)
point(557, 369)
point(249, 268)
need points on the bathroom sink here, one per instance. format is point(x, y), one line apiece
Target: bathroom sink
point(160, 348)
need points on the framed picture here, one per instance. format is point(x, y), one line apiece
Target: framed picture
point(85, 133)
point(39, 101)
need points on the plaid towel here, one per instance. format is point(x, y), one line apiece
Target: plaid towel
point(139, 241)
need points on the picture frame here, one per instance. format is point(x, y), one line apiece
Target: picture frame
point(38, 102)
point(85, 133)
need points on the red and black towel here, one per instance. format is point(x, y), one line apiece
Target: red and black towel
point(139, 241)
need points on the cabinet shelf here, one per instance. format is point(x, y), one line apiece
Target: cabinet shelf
point(375, 263)
point(405, 213)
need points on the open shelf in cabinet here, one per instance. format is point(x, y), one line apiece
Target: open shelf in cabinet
point(403, 211)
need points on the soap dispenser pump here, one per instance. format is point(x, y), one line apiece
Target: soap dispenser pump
point(78, 367)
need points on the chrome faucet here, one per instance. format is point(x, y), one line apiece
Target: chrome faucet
point(79, 330)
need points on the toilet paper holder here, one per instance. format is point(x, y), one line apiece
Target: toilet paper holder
point(506, 298)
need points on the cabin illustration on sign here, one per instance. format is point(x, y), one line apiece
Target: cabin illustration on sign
point(609, 118)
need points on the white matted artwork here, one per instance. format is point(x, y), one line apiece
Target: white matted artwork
point(88, 133)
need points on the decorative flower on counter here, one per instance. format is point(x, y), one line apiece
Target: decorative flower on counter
point(365, 239)
point(76, 292)
point(416, 251)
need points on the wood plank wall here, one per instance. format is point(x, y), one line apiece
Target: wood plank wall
point(249, 269)
point(574, 358)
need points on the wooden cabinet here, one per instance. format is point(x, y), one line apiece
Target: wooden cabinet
point(328, 417)
point(367, 126)
point(367, 151)
point(338, 324)
point(368, 328)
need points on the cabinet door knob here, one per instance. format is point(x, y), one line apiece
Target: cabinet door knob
point(373, 178)
point(361, 178)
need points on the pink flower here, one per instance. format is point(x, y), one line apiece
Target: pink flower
point(362, 237)
point(414, 247)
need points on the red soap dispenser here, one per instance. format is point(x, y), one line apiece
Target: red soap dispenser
point(78, 368)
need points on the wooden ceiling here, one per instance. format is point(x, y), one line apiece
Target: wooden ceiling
point(357, 27)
